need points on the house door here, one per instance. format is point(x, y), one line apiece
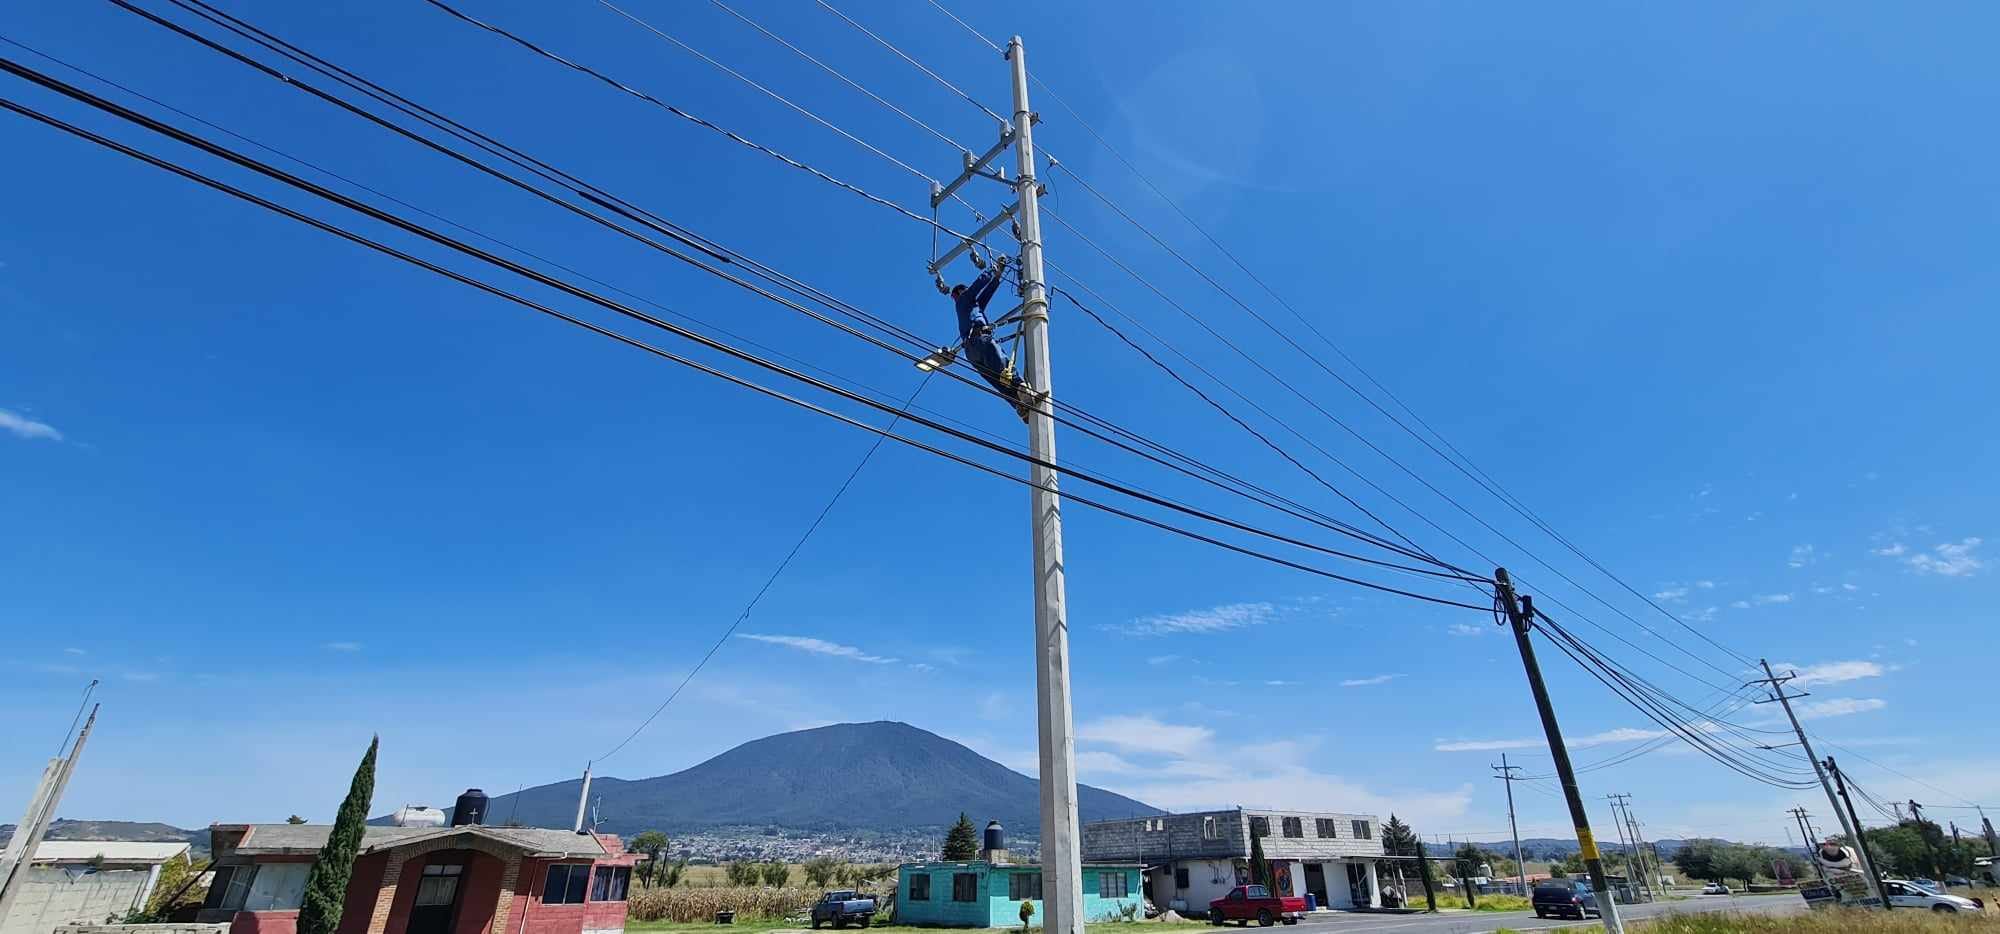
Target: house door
point(1357, 882)
point(437, 899)
point(1316, 882)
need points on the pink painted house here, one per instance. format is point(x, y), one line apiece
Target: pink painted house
point(469, 879)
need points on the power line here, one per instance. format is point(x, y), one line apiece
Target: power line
point(783, 563)
point(1478, 476)
point(568, 288)
point(599, 197)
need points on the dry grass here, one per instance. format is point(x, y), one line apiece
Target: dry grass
point(687, 905)
point(1826, 921)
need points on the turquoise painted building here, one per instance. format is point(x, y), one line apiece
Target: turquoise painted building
point(980, 894)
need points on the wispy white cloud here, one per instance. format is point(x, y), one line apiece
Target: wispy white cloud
point(1465, 629)
point(1762, 599)
point(817, 647)
point(343, 646)
point(1145, 734)
point(1838, 707)
point(1891, 550)
point(1280, 684)
point(1952, 559)
point(1213, 619)
point(1802, 555)
point(1368, 682)
point(74, 651)
point(1702, 615)
point(1162, 659)
point(1832, 672)
point(1672, 593)
point(21, 426)
point(1624, 734)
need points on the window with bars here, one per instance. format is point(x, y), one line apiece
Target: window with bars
point(1113, 885)
point(1294, 827)
point(1362, 831)
point(920, 888)
point(1210, 830)
point(964, 887)
point(1260, 826)
point(1326, 827)
point(1024, 886)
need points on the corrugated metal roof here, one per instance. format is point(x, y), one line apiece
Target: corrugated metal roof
point(113, 851)
point(280, 839)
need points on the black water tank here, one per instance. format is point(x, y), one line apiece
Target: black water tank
point(996, 836)
point(470, 809)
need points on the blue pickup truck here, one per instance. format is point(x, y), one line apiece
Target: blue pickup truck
point(843, 908)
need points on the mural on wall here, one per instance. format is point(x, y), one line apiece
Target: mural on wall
point(1281, 877)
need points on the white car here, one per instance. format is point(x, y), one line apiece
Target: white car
point(1905, 894)
point(1715, 888)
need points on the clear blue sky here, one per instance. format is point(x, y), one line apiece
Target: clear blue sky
point(1708, 287)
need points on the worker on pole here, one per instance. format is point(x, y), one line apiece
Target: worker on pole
point(977, 334)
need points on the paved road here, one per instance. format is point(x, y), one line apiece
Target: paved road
point(1473, 922)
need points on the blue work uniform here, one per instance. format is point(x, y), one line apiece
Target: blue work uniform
point(977, 332)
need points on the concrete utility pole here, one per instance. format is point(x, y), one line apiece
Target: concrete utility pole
point(1937, 859)
point(20, 853)
point(1062, 864)
point(1507, 775)
point(1805, 831)
point(582, 797)
point(1520, 618)
point(1639, 849)
point(1987, 825)
point(1618, 823)
point(1852, 828)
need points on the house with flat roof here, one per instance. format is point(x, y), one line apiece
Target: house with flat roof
point(468, 879)
point(86, 880)
point(988, 892)
point(1191, 859)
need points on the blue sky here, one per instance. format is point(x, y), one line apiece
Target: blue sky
point(1709, 288)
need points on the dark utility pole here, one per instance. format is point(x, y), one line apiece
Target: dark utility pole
point(1860, 836)
point(1507, 775)
point(1520, 618)
point(1937, 859)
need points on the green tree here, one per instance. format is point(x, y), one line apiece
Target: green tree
point(295, 819)
point(653, 844)
point(822, 871)
point(1571, 865)
point(777, 874)
point(674, 873)
point(1697, 860)
point(1398, 839)
point(1260, 871)
point(961, 843)
point(326, 882)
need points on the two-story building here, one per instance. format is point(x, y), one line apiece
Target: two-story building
point(1193, 858)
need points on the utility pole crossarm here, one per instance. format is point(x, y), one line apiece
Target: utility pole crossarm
point(941, 262)
point(976, 166)
point(1848, 822)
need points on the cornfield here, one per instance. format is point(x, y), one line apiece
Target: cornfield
point(685, 905)
point(1825, 921)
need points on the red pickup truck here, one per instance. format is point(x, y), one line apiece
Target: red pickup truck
point(1247, 903)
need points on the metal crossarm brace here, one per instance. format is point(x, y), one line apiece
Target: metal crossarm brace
point(1006, 213)
point(975, 167)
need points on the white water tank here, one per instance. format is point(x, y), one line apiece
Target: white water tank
point(418, 815)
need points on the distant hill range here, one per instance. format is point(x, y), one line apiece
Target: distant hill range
point(866, 776)
point(145, 831)
point(1554, 848)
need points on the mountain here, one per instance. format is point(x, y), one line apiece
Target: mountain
point(872, 776)
point(143, 831)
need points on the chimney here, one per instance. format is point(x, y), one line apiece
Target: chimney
point(995, 849)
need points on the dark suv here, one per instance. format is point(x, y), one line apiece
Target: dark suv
point(1564, 899)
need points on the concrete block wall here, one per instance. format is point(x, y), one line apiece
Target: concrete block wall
point(1312, 847)
point(51, 897)
point(1182, 835)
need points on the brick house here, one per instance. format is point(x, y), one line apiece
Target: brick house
point(1193, 858)
point(469, 879)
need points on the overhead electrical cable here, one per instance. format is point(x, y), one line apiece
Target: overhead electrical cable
point(1468, 468)
point(599, 197)
point(410, 227)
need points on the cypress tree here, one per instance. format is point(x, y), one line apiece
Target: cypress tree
point(326, 882)
point(961, 844)
point(1260, 871)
